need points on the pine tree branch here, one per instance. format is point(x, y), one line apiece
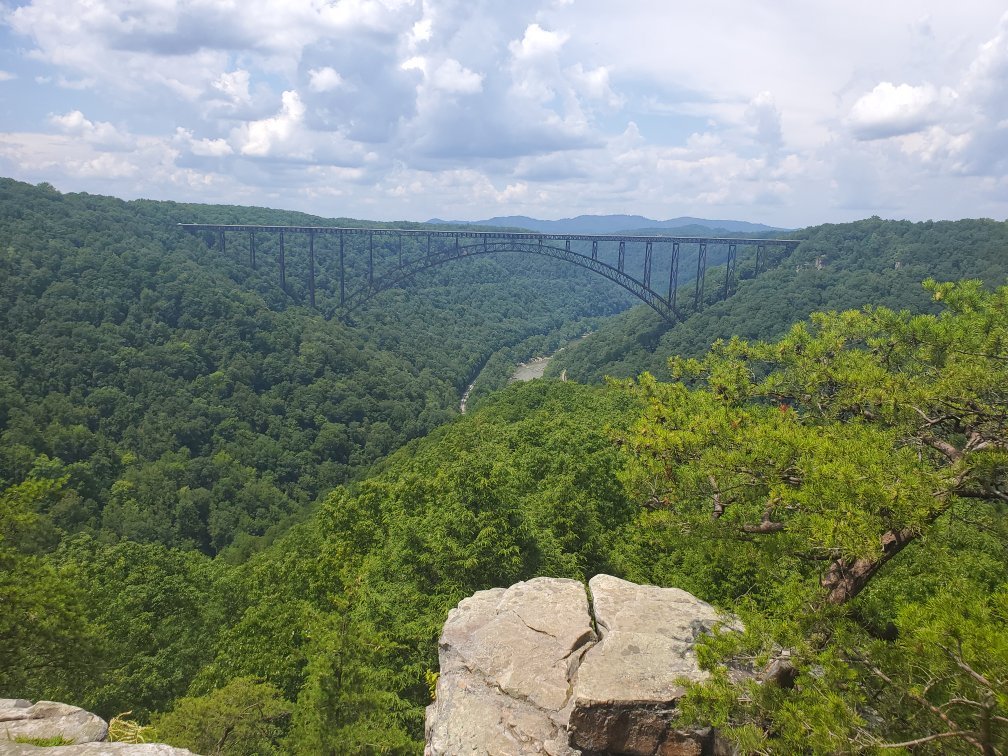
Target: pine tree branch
point(982, 355)
point(766, 526)
point(846, 578)
point(950, 451)
point(977, 677)
point(968, 735)
point(930, 422)
point(719, 506)
point(990, 494)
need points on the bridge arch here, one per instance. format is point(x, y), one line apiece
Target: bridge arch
point(383, 283)
point(454, 245)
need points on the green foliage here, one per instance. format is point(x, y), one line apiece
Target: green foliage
point(44, 637)
point(244, 717)
point(154, 614)
point(350, 702)
point(190, 402)
point(55, 740)
point(835, 267)
point(866, 454)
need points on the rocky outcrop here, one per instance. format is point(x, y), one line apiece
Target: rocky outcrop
point(23, 720)
point(46, 719)
point(508, 658)
point(536, 669)
point(627, 685)
point(93, 749)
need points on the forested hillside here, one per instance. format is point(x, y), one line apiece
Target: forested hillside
point(190, 401)
point(245, 522)
point(325, 642)
point(836, 267)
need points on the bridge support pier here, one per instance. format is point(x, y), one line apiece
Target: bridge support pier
point(311, 268)
point(342, 273)
point(283, 264)
point(647, 265)
point(701, 272)
point(673, 277)
point(730, 268)
point(252, 259)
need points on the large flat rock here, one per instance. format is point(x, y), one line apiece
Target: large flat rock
point(628, 684)
point(46, 719)
point(524, 672)
point(508, 658)
point(93, 749)
point(86, 731)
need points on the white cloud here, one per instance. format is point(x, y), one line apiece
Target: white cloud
point(594, 84)
point(764, 118)
point(537, 43)
point(267, 136)
point(101, 134)
point(452, 76)
point(535, 64)
point(234, 85)
point(890, 110)
point(416, 63)
point(7, 76)
point(68, 159)
point(106, 166)
point(325, 79)
point(421, 32)
point(203, 147)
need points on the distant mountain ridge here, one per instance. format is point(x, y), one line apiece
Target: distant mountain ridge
point(606, 224)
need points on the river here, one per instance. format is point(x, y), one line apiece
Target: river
point(534, 368)
point(525, 371)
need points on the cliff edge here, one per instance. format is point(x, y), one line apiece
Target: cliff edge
point(546, 667)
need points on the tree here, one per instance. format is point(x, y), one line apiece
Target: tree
point(245, 716)
point(856, 436)
point(43, 634)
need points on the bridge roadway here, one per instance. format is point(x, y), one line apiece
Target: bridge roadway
point(484, 242)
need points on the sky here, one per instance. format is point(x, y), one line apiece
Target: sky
point(790, 112)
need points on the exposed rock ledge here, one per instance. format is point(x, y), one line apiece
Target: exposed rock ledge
point(523, 671)
point(47, 719)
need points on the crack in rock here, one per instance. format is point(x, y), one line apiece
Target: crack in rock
point(531, 627)
point(623, 647)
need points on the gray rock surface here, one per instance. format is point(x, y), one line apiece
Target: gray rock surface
point(47, 719)
point(93, 749)
point(523, 671)
point(508, 658)
point(627, 687)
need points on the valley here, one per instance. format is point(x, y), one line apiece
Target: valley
point(220, 496)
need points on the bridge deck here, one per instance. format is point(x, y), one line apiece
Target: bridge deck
point(485, 242)
point(497, 235)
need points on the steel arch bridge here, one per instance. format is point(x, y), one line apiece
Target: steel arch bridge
point(607, 257)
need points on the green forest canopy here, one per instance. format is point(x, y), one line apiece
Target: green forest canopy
point(160, 408)
point(188, 401)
